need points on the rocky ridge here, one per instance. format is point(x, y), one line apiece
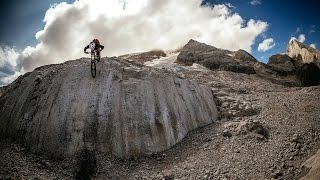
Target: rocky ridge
point(214, 58)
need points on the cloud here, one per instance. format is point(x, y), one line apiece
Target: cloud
point(266, 45)
point(133, 26)
point(8, 56)
point(8, 64)
point(255, 2)
point(301, 38)
point(312, 31)
point(5, 79)
point(313, 46)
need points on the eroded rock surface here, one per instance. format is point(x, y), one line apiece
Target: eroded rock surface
point(127, 110)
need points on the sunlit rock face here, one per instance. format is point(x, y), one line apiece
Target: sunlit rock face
point(302, 52)
point(127, 110)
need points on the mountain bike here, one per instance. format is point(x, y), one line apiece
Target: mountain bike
point(95, 56)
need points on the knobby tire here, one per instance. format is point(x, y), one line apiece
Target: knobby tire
point(93, 68)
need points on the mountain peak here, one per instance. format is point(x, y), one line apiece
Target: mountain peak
point(302, 52)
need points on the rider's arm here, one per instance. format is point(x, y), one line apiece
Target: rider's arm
point(85, 48)
point(102, 47)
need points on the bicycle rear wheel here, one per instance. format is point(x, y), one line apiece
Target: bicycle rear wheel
point(93, 69)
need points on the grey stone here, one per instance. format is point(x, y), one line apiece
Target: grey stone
point(128, 110)
point(226, 133)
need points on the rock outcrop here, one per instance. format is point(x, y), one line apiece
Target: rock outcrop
point(127, 110)
point(213, 58)
point(313, 167)
point(302, 52)
point(300, 60)
point(283, 64)
point(309, 74)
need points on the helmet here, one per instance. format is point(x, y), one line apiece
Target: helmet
point(96, 41)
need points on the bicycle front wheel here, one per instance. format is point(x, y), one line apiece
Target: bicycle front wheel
point(93, 69)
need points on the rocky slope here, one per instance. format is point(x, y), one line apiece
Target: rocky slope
point(127, 110)
point(266, 129)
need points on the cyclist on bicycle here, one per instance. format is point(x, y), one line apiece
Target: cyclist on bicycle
point(94, 46)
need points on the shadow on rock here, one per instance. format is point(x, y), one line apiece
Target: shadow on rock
point(86, 165)
point(309, 75)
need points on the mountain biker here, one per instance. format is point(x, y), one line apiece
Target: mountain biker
point(94, 46)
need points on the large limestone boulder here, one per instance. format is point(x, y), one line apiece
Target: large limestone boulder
point(211, 57)
point(300, 51)
point(127, 110)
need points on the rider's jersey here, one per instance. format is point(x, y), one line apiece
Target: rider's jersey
point(94, 46)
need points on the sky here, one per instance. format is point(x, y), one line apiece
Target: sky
point(40, 32)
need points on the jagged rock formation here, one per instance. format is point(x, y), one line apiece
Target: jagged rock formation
point(301, 60)
point(302, 52)
point(127, 110)
point(213, 58)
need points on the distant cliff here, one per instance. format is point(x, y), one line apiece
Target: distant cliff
point(302, 52)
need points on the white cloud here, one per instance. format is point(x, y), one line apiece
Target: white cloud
point(8, 78)
point(313, 46)
point(266, 45)
point(255, 2)
point(312, 31)
point(132, 26)
point(301, 38)
point(137, 26)
point(8, 55)
point(8, 65)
